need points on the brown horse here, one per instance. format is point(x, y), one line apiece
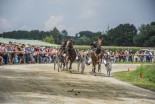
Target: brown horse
point(96, 56)
point(70, 54)
point(96, 59)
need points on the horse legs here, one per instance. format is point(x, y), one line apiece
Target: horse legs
point(67, 65)
point(94, 66)
point(94, 69)
point(55, 62)
point(63, 65)
point(99, 68)
point(58, 65)
point(70, 67)
point(54, 65)
point(99, 65)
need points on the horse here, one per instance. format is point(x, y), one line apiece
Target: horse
point(70, 55)
point(96, 56)
point(96, 59)
point(61, 60)
point(61, 55)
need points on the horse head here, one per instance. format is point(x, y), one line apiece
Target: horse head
point(69, 44)
point(64, 43)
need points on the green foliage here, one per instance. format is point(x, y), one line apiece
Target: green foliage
point(148, 76)
point(148, 72)
point(82, 40)
point(86, 37)
point(86, 34)
point(49, 39)
point(111, 48)
point(121, 35)
point(146, 36)
point(64, 32)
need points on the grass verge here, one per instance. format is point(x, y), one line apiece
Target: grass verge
point(148, 76)
point(113, 48)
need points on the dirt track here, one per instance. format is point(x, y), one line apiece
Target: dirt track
point(40, 84)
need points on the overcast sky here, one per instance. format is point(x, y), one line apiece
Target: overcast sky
point(73, 15)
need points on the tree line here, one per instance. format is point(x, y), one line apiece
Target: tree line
point(122, 35)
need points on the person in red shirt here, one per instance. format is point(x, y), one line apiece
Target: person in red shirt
point(121, 56)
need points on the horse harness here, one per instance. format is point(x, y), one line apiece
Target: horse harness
point(96, 49)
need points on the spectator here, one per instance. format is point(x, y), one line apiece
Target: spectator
point(153, 56)
point(126, 52)
point(130, 56)
point(141, 56)
point(136, 56)
point(15, 59)
point(1, 56)
point(19, 53)
point(148, 56)
point(113, 56)
point(116, 55)
point(121, 56)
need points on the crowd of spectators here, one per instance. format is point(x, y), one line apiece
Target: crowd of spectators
point(143, 55)
point(14, 53)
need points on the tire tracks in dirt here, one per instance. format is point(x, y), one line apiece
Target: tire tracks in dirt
point(7, 93)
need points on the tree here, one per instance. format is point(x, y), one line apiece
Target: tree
point(88, 34)
point(152, 41)
point(82, 40)
point(56, 36)
point(64, 32)
point(122, 35)
point(49, 39)
point(146, 35)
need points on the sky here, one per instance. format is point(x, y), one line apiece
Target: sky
point(74, 15)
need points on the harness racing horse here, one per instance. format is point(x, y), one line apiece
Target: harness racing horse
point(96, 59)
point(70, 55)
point(61, 55)
point(96, 56)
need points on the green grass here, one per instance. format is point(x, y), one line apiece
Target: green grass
point(148, 76)
point(113, 48)
point(134, 63)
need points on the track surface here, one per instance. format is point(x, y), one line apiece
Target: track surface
point(41, 84)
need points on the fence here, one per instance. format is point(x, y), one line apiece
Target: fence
point(20, 57)
point(25, 57)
